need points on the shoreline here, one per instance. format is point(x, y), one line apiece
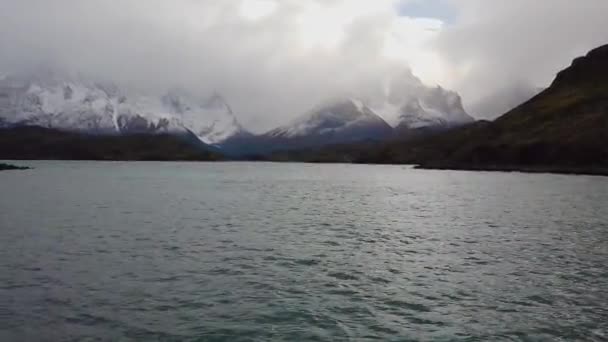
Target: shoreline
point(562, 170)
point(576, 171)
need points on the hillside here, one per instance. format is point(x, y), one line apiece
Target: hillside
point(23, 143)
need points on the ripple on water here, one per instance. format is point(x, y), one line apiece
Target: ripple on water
point(229, 252)
point(343, 276)
point(307, 262)
point(398, 305)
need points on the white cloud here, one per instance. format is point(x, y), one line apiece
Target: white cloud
point(498, 46)
point(257, 9)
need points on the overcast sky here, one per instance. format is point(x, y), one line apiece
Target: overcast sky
point(273, 59)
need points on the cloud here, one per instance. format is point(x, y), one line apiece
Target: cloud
point(272, 59)
point(513, 46)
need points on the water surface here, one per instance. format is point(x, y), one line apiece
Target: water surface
point(289, 252)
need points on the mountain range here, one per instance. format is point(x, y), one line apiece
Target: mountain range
point(33, 142)
point(404, 107)
point(77, 104)
point(561, 129)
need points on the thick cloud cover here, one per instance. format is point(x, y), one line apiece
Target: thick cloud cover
point(502, 51)
point(273, 59)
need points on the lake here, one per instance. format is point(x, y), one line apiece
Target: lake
point(298, 252)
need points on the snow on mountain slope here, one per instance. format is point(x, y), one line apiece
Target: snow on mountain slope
point(405, 102)
point(349, 118)
point(77, 104)
point(50, 103)
point(219, 122)
point(334, 122)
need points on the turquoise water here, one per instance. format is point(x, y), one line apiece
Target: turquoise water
point(295, 252)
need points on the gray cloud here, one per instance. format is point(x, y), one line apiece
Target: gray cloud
point(512, 47)
point(203, 45)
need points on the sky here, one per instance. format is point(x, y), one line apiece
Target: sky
point(274, 59)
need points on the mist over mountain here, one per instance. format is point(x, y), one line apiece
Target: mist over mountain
point(503, 100)
point(80, 103)
point(398, 107)
point(561, 129)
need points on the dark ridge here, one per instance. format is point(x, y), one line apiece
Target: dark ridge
point(4, 167)
point(590, 69)
point(30, 142)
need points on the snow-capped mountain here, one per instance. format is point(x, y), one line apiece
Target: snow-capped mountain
point(54, 100)
point(406, 103)
point(391, 109)
point(334, 122)
point(210, 119)
point(78, 104)
point(339, 119)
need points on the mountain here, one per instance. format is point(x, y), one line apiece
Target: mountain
point(435, 107)
point(339, 120)
point(562, 129)
point(399, 107)
point(336, 121)
point(54, 100)
point(408, 104)
point(51, 99)
point(211, 119)
point(31, 142)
